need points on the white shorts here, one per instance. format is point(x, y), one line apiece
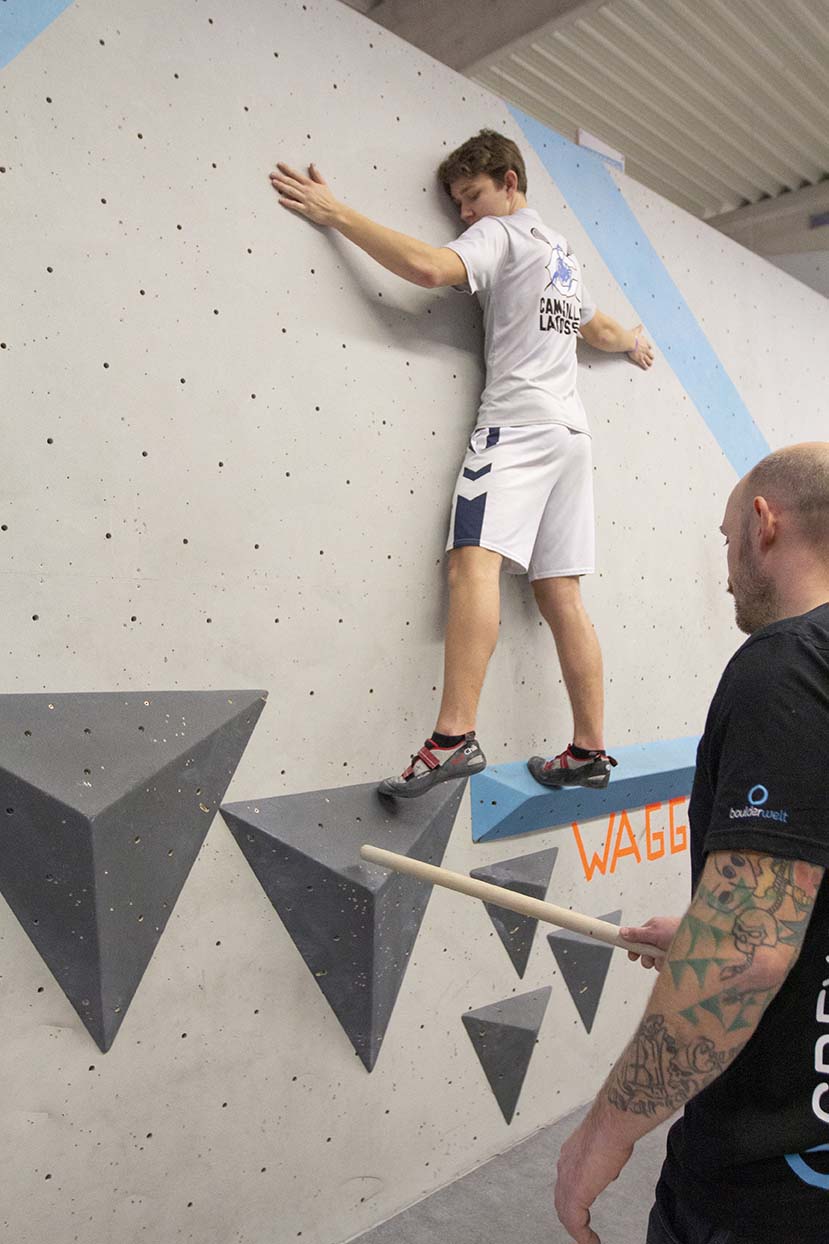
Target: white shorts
point(527, 493)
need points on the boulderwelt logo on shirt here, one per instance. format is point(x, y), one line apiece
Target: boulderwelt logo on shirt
point(755, 810)
point(560, 307)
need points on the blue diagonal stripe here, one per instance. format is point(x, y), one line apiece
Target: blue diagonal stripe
point(586, 183)
point(23, 20)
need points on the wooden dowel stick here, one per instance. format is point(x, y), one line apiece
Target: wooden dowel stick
point(589, 926)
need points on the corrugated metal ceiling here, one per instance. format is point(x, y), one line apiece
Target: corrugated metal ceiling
point(714, 103)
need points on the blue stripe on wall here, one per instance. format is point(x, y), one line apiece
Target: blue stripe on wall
point(23, 20)
point(586, 183)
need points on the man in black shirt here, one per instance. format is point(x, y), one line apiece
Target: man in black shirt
point(737, 1025)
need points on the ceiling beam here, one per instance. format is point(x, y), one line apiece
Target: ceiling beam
point(780, 226)
point(462, 39)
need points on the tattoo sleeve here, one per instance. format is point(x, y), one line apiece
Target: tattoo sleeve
point(732, 952)
point(660, 1072)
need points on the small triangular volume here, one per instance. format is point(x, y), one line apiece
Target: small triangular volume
point(526, 874)
point(354, 924)
point(504, 1036)
point(584, 963)
point(106, 800)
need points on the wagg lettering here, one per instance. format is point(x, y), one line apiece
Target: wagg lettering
point(624, 843)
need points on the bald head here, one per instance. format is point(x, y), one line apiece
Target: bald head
point(776, 527)
point(795, 481)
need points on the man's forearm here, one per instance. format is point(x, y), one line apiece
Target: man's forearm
point(404, 256)
point(731, 953)
point(615, 339)
point(665, 1064)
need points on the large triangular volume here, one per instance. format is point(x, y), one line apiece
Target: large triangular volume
point(354, 924)
point(527, 874)
point(106, 800)
point(504, 1036)
point(583, 963)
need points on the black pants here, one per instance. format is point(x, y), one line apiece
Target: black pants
point(672, 1222)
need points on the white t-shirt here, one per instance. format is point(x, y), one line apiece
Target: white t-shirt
point(533, 298)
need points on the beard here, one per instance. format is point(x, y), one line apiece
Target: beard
point(755, 596)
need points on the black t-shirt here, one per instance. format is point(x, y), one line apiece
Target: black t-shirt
point(741, 1152)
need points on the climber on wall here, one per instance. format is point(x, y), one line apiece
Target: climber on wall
point(524, 494)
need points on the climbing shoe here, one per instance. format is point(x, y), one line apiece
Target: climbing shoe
point(433, 764)
point(591, 769)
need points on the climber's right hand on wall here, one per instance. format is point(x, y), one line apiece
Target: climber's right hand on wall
point(642, 351)
point(659, 931)
point(308, 196)
point(409, 258)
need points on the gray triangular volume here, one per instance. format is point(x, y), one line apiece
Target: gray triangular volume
point(526, 874)
point(353, 923)
point(504, 1036)
point(106, 800)
point(583, 964)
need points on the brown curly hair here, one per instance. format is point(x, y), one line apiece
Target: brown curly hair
point(488, 152)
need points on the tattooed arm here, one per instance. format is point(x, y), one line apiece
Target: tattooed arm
point(732, 952)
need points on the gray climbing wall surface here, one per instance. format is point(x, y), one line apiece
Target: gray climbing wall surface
point(526, 874)
point(583, 964)
point(353, 923)
point(105, 800)
point(504, 1036)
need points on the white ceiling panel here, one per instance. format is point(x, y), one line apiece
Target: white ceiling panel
point(715, 103)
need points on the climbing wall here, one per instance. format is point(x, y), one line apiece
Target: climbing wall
point(229, 446)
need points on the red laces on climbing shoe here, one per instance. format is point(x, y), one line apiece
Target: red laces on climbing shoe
point(434, 764)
